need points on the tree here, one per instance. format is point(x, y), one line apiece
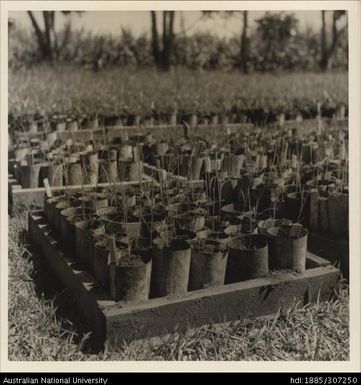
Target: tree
point(276, 33)
point(162, 57)
point(244, 45)
point(328, 51)
point(47, 38)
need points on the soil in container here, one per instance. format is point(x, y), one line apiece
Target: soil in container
point(181, 234)
point(212, 235)
point(192, 220)
point(116, 221)
point(287, 251)
point(264, 225)
point(247, 258)
point(186, 235)
point(73, 198)
point(94, 201)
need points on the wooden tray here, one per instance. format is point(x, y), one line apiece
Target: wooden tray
point(118, 322)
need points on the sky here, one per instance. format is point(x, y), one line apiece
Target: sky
point(105, 22)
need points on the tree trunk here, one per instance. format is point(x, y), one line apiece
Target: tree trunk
point(324, 58)
point(170, 38)
point(165, 63)
point(244, 44)
point(162, 58)
point(39, 35)
point(327, 52)
point(53, 35)
point(335, 35)
point(46, 39)
point(155, 39)
point(48, 33)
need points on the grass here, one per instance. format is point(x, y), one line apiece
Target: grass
point(112, 91)
point(39, 328)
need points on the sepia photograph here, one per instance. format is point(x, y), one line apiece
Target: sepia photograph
point(178, 184)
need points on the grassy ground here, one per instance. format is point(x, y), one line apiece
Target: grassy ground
point(39, 328)
point(111, 91)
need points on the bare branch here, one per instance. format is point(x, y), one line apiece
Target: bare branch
point(38, 32)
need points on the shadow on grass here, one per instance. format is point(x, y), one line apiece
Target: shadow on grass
point(49, 287)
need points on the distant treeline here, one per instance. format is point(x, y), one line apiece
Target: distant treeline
point(275, 44)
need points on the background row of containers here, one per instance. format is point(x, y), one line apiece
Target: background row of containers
point(44, 160)
point(62, 123)
point(261, 189)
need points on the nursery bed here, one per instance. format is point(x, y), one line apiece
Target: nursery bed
point(20, 197)
point(116, 131)
point(110, 132)
point(117, 321)
point(34, 197)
